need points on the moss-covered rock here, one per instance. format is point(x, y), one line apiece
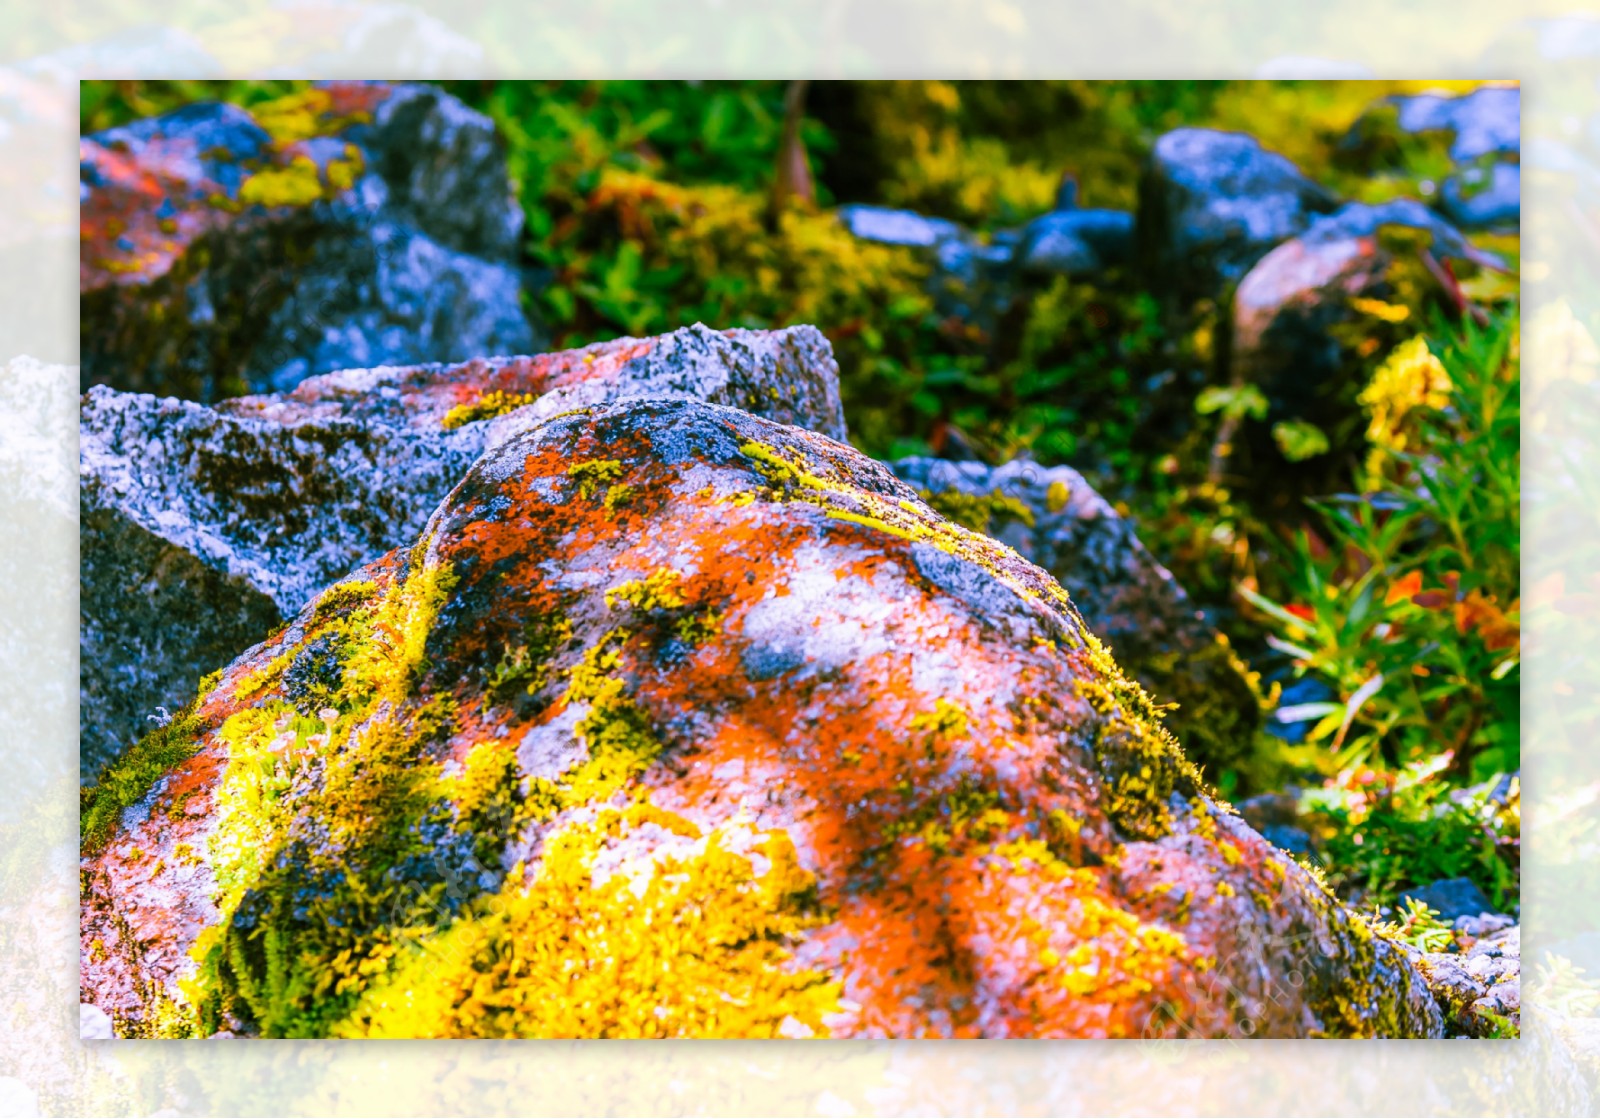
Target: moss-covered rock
point(355, 224)
point(770, 748)
point(203, 527)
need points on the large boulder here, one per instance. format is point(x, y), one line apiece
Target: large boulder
point(203, 527)
point(226, 250)
point(1054, 519)
point(1213, 203)
point(675, 721)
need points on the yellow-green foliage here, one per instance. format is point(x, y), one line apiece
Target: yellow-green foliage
point(486, 407)
point(700, 950)
point(388, 658)
point(617, 731)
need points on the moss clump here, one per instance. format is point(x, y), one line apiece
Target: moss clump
point(968, 811)
point(655, 592)
point(700, 949)
point(303, 115)
point(300, 182)
point(977, 511)
point(125, 781)
point(486, 407)
point(341, 598)
point(1142, 763)
point(595, 473)
point(525, 666)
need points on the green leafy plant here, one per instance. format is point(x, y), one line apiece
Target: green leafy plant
point(1407, 602)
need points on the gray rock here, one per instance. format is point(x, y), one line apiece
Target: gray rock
point(1452, 898)
point(1053, 518)
point(204, 527)
point(94, 1024)
point(1484, 198)
point(1075, 242)
point(1479, 985)
point(1211, 204)
point(1361, 219)
point(1296, 841)
point(897, 227)
point(1486, 121)
point(365, 224)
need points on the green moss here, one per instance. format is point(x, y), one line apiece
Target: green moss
point(1142, 763)
point(970, 811)
point(343, 597)
point(525, 666)
point(126, 780)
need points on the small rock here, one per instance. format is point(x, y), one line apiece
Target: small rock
point(94, 1024)
point(1487, 121)
point(1211, 204)
point(897, 227)
point(1076, 242)
point(1452, 898)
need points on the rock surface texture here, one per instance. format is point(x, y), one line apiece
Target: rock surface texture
point(358, 224)
point(203, 527)
point(1053, 518)
point(675, 721)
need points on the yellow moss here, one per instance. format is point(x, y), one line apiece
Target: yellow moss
point(595, 473)
point(486, 407)
point(297, 184)
point(700, 948)
point(1057, 496)
point(948, 719)
point(977, 511)
point(388, 658)
point(617, 495)
point(301, 116)
point(652, 593)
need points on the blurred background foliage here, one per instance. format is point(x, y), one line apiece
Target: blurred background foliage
point(1376, 590)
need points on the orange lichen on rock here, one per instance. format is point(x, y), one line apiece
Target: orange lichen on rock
point(800, 758)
